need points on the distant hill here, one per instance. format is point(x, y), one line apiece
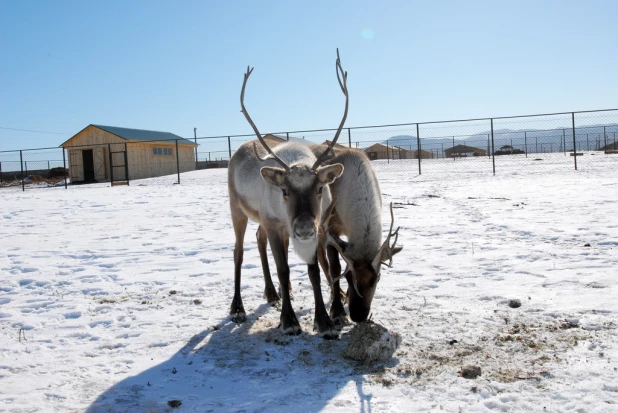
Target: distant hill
point(588, 137)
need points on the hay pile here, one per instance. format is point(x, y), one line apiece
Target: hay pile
point(369, 342)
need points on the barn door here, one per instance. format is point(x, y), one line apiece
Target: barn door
point(76, 169)
point(99, 163)
point(118, 164)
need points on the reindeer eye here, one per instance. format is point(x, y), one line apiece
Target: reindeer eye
point(284, 191)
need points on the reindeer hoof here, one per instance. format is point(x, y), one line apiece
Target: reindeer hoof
point(239, 317)
point(292, 330)
point(271, 296)
point(338, 315)
point(340, 321)
point(329, 334)
point(289, 324)
point(327, 330)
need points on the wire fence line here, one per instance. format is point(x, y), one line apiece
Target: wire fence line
point(479, 145)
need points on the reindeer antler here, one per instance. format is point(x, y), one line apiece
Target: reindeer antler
point(338, 244)
point(349, 264)
point(344, 88)
point(387, 246)
point(255, 129)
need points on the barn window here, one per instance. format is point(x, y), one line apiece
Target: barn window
point(163, 151)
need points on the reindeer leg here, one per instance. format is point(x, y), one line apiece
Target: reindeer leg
point(270, 293)
point(239, 220)
point(337, 312)
point(323, 323)
point(289, 322)
point(324, 264)
point(287, 250)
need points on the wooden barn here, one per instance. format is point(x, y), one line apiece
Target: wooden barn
point(380, 151)
point(107, 153)
point(424, 154)
point(461, 151)
point(337, 145)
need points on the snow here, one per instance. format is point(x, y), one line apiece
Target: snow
point(116, 299)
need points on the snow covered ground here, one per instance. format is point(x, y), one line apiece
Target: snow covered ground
point(116, 299)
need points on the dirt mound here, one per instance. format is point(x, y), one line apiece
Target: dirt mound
point(369, 342)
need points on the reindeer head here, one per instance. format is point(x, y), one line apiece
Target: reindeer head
point(362, 275)
point(302, 189)
point(301, 186)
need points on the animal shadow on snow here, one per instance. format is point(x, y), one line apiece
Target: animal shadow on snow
point(250, 367)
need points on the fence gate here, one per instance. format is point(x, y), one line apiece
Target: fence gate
point(118, 164)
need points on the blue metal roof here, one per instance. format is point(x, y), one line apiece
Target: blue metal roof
point(143, 135)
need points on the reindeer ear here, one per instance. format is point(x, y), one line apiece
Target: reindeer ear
point(272, 175)
point(328, 174)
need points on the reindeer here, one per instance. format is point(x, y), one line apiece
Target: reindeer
point(286, 201)
point(356, 212)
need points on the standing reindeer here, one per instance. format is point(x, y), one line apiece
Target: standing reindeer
point(286, 201)
point(356, 212)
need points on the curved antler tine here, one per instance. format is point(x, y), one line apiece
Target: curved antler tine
point(355, 284)
point(345, 74)
point(255, 129)
point(396, 234)
point(392, 219)
point(349, 263)
point(344, 88)
point(329, 215)
point(387, 246)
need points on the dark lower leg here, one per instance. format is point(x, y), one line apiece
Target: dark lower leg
point(337, 311)
point(322, 321)
point(270, 293)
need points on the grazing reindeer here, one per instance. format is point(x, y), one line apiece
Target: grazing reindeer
point(287, 203)
point(356, 212)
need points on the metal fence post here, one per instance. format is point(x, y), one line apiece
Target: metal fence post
point(287, 136)
point(64, 168)
point(526, 143)
point(418, 149)
point(21, 163)
point(111, 164)
point(177, 162)
point(604, 137)
point(195, 139)
point(574, 142)
point(229, 147)
point(453, 148)
point(493, 147)
point(388, 159)
point(0, 172)
point(349, 138)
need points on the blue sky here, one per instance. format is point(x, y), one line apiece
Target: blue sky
point(173, 66)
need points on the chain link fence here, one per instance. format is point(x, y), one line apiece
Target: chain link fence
point(533, 143)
